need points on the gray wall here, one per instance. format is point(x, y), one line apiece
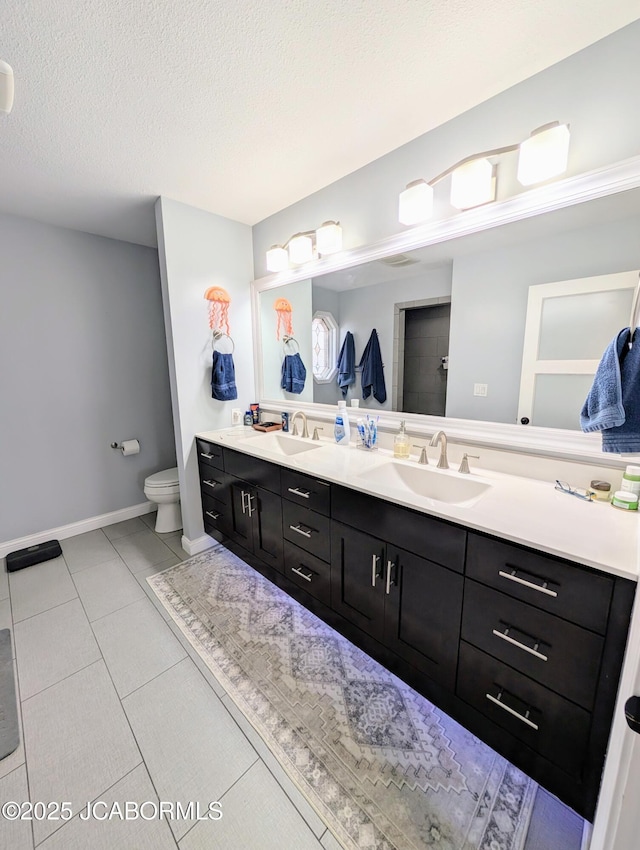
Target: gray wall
point(84, 362)
point(489, 303)
point(596, 91)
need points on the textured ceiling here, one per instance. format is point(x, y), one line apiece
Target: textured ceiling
point(242, 107)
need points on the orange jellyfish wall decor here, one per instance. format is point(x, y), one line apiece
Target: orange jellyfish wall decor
point(285, 315)
point(219, 302)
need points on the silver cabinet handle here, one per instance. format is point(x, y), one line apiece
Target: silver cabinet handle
point(296, 492)
point(244, 496)
point(541, 588)
point(207, 455)
point(300, 530)
point(210, 483)
point(390, 566)
point(250, 509)
point(530, 650)
point(298, 572)
point(375, 560)
point(497, 701)
point(212, 515)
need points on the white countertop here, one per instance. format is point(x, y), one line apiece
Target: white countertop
point(522, 510)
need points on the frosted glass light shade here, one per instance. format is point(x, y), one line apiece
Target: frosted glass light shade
point(6, 88)
point(329, 238)
point(473, 184)
point(415, 204)
point(300, 249)
point(277, 259)
point(544, 155)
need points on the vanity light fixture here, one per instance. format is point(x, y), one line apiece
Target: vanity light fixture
point(6, 88)
point(473, 184)
point(544, 154)
point(415, 203)
point(473, 180)
point(305, 246)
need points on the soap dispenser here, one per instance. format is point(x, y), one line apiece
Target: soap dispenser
point(401, 442)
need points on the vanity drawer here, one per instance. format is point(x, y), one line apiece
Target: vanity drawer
point(209, 453)
point(214, 483)
point(252, 470)
point(308, 572)
point(568, 590)
point(552, 726)
point(307, 529)
point(306, 491)
point(558, 654)
point(216, 514)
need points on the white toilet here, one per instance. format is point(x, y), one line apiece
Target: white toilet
point(163, 489)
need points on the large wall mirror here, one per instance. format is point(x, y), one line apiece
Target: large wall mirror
point(452, 317)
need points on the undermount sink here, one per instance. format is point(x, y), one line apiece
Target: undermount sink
point(280, 444)
point(429, 483)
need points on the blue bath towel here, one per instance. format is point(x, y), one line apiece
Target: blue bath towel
point(347, 364)
point(223, 377)
point(293, 374)
point(613, 404)
point(372, 370)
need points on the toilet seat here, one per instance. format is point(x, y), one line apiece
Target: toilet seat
point(166, 478)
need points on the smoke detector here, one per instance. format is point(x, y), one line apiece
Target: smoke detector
point(6, 88)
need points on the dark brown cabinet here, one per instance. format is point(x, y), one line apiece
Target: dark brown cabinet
point(410, 604)
point(522, 648)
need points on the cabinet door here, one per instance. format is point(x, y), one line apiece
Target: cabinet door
point(241, 523)
point(266, 515)
point(423, 609)
point(357, 578)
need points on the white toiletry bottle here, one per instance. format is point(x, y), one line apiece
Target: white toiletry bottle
point(341, 428)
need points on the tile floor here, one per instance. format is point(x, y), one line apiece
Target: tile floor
point(115, 706)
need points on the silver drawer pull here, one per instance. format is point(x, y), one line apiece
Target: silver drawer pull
point(207, 455)
point(250, 510)
point(503, 705)
point(530, 650)
point(244, 496)
point(304, 493)
point(299, 572)
point(541, 588)
point(300, 530)
point(210, 483)
point(212, 515)
point(375, 560)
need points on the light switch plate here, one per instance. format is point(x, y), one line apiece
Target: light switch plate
point(480, 389)
point(236, 416)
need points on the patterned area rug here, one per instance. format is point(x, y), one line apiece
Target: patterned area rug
point(380, 764)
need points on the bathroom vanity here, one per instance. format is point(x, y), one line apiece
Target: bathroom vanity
point(502, 601)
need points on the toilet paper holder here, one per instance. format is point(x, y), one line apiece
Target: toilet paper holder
point(127, 446)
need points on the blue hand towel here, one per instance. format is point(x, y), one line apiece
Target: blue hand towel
point(613, 404)
point(293, 374)
point(347, 364)
point(372, 371)
point(223, 377)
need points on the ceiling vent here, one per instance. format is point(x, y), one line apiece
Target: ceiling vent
point(398, 260)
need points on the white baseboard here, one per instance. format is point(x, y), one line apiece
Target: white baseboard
point(79, 527)
point(200, 544)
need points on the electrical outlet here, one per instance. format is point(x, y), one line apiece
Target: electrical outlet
point(236, 416)
point(480, 389)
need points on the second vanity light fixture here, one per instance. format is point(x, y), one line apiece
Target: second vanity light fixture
point(473, 180)
point(305, 246)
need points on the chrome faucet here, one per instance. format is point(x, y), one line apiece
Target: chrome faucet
point(441, 437)
point(294, 429)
